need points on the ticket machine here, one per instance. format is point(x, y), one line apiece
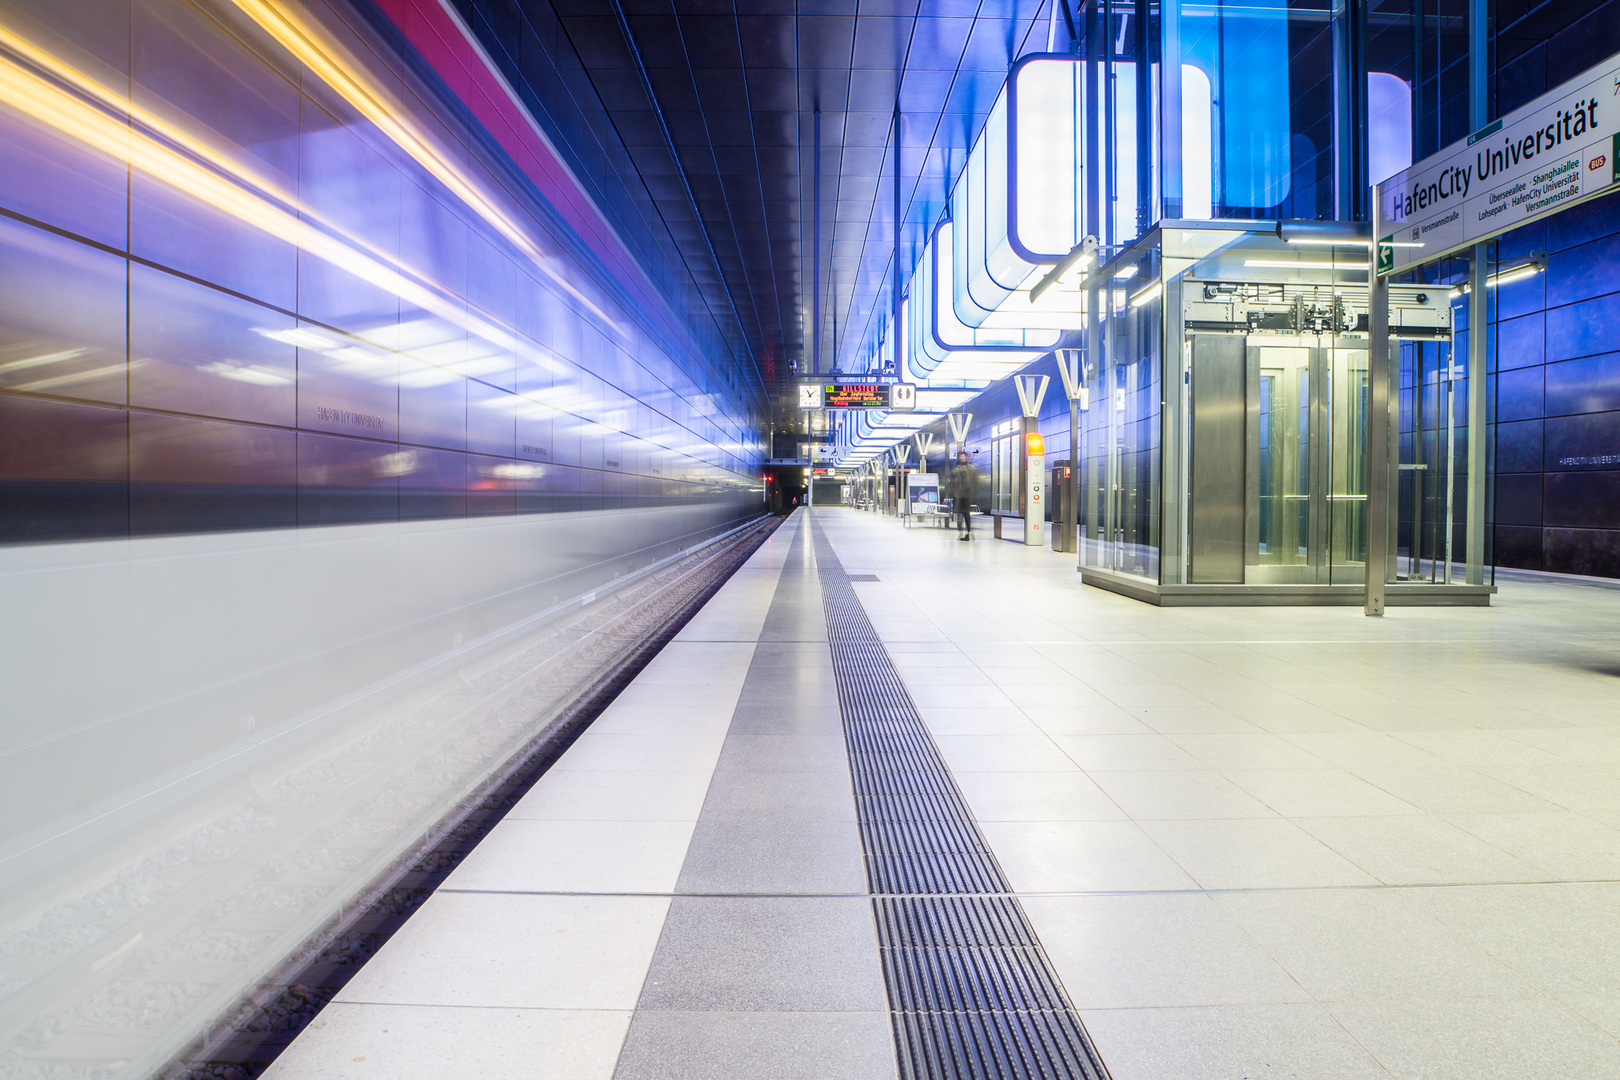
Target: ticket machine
point(1035, 489)
point(1058, 499)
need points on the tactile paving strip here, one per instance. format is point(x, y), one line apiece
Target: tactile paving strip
point(971, 992)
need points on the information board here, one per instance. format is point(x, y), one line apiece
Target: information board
point(1560, 149)
point(858, 395)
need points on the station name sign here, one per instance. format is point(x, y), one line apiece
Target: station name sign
point(1560, 149)
point(893, 397)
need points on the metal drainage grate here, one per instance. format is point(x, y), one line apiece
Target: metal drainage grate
point(861, 577)
point(971, 992)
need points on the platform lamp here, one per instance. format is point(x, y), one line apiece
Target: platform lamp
point(925, 446)
point(959, 429)
point(1072, 369)
point(1031, 392)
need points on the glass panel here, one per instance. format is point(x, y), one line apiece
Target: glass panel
point(1285, 453)
point(198, 350)
point(201, 80)
point(187, 475)
point(432, 484)
point(1431, 504)
point(43, 174)
point(1001, 493)
point(1347, 494)
point(64, 472)
point(1244, 53)
point(347, 480)
point(62, 324)
point(346, 385)
point(1122, 137)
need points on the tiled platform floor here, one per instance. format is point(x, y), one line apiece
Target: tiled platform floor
point(1255, 842)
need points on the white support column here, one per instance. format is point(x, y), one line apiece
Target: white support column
point(960, 422)
point(1031, 392)
point(925, 445)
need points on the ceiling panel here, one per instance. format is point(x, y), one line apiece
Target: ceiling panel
point(736, 83)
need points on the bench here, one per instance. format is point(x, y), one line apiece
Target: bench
point(930, 514)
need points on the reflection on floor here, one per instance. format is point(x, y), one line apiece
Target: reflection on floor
point(1279, 842)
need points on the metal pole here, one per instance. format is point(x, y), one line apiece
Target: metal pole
point(1071, 483)
point(1110, 136)
point(1378, 428)
point(894, 314)
point(1094, 479)
point(1478, 438)
point(815, 272)
point(1478, 315)
point(1450, 398)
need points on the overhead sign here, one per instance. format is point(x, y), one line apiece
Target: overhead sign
point(1560, 149)
point(853, 395)
point(856, 396)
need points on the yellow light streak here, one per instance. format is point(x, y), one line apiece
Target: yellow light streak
point(338, 70)
point(331, 63)
point(216, 180)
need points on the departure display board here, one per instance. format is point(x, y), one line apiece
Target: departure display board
point(858, 395)
point(855, 396)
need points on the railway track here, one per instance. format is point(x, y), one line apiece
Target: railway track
point(210, 940)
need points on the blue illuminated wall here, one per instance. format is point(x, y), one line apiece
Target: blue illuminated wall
point(170, 364)
point(1557, 335)
point(1557, 397)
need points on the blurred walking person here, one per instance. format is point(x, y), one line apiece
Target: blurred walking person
point(964, 487)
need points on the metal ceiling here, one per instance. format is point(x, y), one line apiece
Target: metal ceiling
point(715, 101)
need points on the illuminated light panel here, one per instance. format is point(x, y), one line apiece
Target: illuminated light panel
point(1197, 144)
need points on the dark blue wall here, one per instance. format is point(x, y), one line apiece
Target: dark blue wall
point(1557, 396)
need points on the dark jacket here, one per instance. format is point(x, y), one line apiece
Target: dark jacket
point(965, 483)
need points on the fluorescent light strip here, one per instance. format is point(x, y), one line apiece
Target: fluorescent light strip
point(1321, 242)
point(1301, 264)
point(1503, 277)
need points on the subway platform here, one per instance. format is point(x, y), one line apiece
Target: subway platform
point(897, 806)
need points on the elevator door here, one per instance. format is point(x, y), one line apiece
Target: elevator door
point(1218, 467)
point(1278, 461)
point(1287, 492)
